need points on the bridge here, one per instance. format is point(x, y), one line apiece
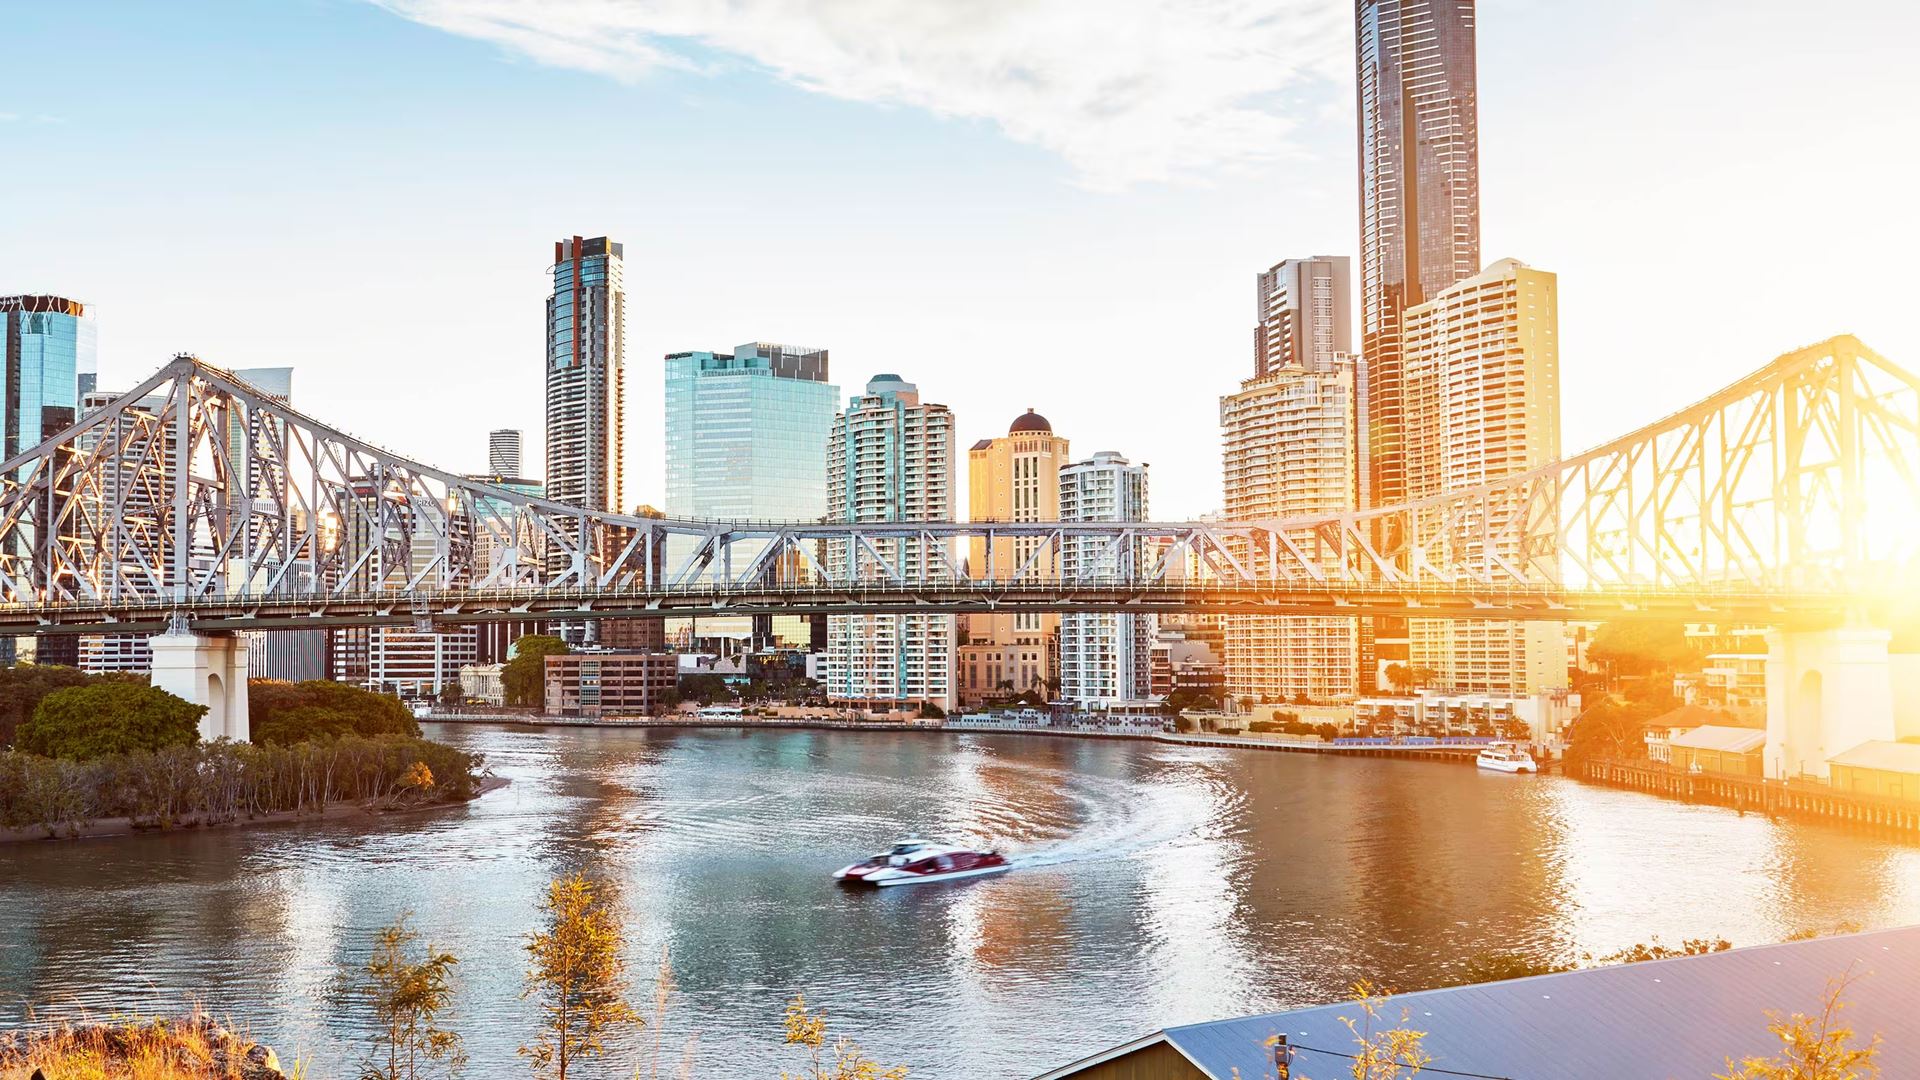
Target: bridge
point(199, 505)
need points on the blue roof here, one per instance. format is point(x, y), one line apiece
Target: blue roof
point(1654, 1020)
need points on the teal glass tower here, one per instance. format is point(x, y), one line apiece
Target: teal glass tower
point(746, 433)
point(50, 348)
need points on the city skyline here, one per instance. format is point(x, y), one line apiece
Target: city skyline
point(1563, 94)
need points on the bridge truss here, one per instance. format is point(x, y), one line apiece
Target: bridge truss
point(1793, 494)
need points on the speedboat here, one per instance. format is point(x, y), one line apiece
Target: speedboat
point(913, 861)
point(1507, 758)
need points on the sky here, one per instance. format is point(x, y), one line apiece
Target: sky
point(1056, 204)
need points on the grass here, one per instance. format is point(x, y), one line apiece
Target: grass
point(193, 1048)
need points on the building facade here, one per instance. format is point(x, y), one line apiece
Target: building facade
point(1483, 395)
point(1106, 658)
point(890, 458)
point(586, 363)
point(1303, 310)
point(1012, 478)
point(503, 452)
point(597, 683)
point(746, 438)
point(1288, 449)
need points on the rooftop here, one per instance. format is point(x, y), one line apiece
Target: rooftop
point(1900, 757)
point(1653, 1020)
point(1732, 740)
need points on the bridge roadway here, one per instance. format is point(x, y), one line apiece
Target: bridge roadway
point(426, 608)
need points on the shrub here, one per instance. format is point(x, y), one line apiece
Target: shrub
point(87, 722)
point(1181, 723)
point(523, 681)
point(22, 687)
point(284, 712)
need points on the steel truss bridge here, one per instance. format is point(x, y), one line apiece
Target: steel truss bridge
point(1791, 497)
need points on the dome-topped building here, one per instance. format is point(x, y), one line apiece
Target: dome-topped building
point(1029, 421)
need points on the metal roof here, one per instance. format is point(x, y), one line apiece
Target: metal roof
point(1901, 757)
point(1733, 740)
point(1654, 1020)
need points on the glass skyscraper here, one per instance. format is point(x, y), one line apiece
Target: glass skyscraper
point(586, 357)
point(50, 343)
point(746, 433)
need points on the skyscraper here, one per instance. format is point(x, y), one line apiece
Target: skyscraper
point(503, 453)
point(49, 342)
point(1419, 194)
point(1105, 657)
point(890, 458)
point(586, 357)
point(1304, 314)
point(1483, 403)
point(1289, 450)
point(1013, 478)
point(746, 440)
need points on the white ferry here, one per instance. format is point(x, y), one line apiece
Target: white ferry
point(1507, 758)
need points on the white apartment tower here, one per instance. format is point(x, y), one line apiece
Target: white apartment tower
point(586, 362)
point(1303, 312)
point(1483, 403)
point(503, 453)
point(890, 458)
point(1288, 450)
point(1105, 657)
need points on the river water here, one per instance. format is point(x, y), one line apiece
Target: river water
point(1156, 885)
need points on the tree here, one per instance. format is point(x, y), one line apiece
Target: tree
point(1812, 1047)
point(1383, 1055)
point(1639, 647)
point(577, 976)
point(1612, 729)
point(87, 722)
point(523, 681)
point(285, 712)
point(22, 687)
point(408, 996)
point(932, 711)
point(850, 1062)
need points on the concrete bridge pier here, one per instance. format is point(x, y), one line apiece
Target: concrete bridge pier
point(1828, 691)
point(206, 669)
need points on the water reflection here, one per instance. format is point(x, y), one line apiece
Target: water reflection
point(1156, 885)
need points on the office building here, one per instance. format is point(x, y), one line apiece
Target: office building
point(890, 458)
point(606, 683)
point(1419, 194)
point(1106, 657)
point(1288, 450)
point(50, 342)
point(1304, 314)
point(1483, 395)
point(1012, 478)
point(503, 453)
point(746, 436)
point(586, 357)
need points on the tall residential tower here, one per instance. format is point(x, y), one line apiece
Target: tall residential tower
point(1012, 478)
point(1105, 657)
point(1304, 314)
point(586, 356)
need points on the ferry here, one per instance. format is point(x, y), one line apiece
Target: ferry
point(1507, 758)
point(913, 861)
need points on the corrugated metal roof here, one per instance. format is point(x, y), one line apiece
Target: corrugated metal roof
point(1654, 1020)
point(1733, 740)
point(1891, 756)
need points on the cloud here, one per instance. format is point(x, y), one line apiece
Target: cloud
point(1126, 91)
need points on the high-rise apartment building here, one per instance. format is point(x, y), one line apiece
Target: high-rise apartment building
point(1419, 194)
point(1012, 478)
point(586, 360)
point(746, 439)
point(1106, 657)
point(1289, 450)
point(890, 458)
point(1304, 314)
point(1483, 403)
point(503, 452)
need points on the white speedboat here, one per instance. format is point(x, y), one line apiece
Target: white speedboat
point(913, 861)
point(1506, 757)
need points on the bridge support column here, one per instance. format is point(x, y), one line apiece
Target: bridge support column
point(210, 670)
point(1827, 691)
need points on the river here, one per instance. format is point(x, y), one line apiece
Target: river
point(1156, 885)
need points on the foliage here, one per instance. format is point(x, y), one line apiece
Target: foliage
point(21, 688)
point(1405, 677)
point(1293, 725)
point(286, 712)
point(809, 1030)
point(705, 688)
point(1487, 967)
point(1183, 724)
point(577, 976)
point(932, 711)
point(1638, 647)
point(1812, 1047)
point(1613, 728)
point(1653, 950)
point(226, 781)
point(192, 1047)
point(1186, 698)
point(1383, 1055)
point(88, 722)
point(523, 679)
point(408, 996)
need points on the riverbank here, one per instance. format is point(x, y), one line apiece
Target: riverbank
point(1772, 798)
point(340, 809)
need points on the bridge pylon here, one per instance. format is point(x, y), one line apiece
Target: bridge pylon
point(1828, 691)
point(206, 669)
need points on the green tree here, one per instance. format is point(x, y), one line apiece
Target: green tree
point(809, 1031)
point(22, 686)
point(285, 712)
point(87, 722)
point(523, 681)
point(408, 996)
point(577, 976)
point(1638, 647)
point(1812, 1047)
point(931, 711)
point(1613, 728)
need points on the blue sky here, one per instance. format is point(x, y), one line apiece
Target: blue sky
point(1048, 203)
